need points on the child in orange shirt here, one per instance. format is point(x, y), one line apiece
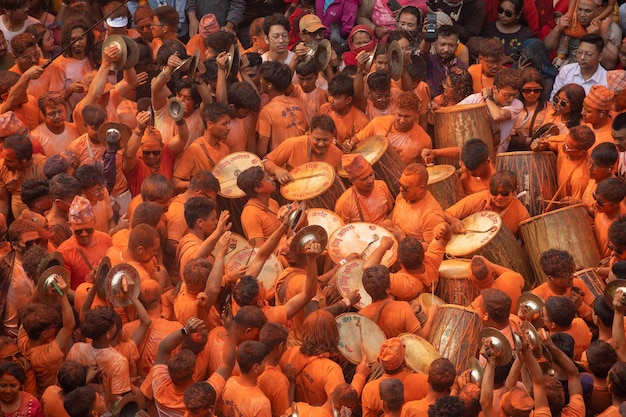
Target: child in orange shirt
point(559, 314)
point(601, 166)
point(307, 91)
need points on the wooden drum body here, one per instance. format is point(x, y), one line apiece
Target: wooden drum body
point(315, 183)
point(566, 229)
point(496, 243)
point(454, 286)
point(384, 160)
point(536, 175)
point(456, 124)
point(231, 197)
point(455, 334)
point(593, 281)
point(444, 185)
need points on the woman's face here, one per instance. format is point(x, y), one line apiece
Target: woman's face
point(501, 197)
point(408, 22)
point(9, 388)
point(531, 92)
point(561, 104)
point(506, 13)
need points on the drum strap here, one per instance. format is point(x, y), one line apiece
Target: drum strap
point(380, 309)
point(82, 255)
point(299, 375)
point(206, 152)
point(281, 288)
point(358, 205)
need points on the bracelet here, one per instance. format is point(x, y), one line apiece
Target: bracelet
point(342, 262)
point(346, 301)
point(184, 331)
point(167, 74)
point(489, 98)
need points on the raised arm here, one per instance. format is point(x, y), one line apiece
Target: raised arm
point(207, 246)
point(171, 342)
point(64, 336)
point(573, 376)
point(160, 92)
point(129, 158)
point(619, 341)
point(144, 320)
point(300, 300)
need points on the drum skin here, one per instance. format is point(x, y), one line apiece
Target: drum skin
point(444, 184)
point(316, 183)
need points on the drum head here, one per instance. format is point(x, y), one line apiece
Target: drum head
point(486, 222)
point(356, 237)
point(460, 107)
point(428, 300)
point(272, 268)
point(228, 169)
point(349, 279)
point(454, 268)
point(237, 243)
point(325, 218)
point(372, 148)
point(354, 328)
point(418, 352)
point(437, 173)
point(309, 181)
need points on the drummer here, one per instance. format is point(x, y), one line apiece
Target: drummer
point(368, 200)
point(316, 145)
point(499, 198)
point(402, 129)
point(559, 266)
point(485, 274)
point(416, 212)
point(571, 164)
point(259, 217)
point(596, 107)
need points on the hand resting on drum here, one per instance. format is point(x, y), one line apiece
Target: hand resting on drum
point(282, 175)
point(455, 224)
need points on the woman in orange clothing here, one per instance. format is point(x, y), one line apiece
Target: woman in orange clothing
point(608, 206)
point(499, 198)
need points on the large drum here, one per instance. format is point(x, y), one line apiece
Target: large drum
point(487, 236)
point(444, 185)
point(236, 244)
point(328, 219)
point(594, 283)
point(422, 304)
point(536, 176)
point(455, 334)
point(359, 335)
point(349, 278)
point(566, 229)
point(231, 197)
point(454, 286)
point(456, 124)
point(418, 352)
point(315, 183)
point(269, 274)
point(361, 238)
point(384, 160)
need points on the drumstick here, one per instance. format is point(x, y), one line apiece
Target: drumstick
point(358, 324)
point(304, 177)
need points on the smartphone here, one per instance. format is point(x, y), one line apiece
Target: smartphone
point(394, 5)
point(431, 27)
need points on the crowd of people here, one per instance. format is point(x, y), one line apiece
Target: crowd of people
point(151, 262)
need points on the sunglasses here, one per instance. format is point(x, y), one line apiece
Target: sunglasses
point(507, 13)
point(560, 102)
point(30, 243)
point(503, 193)
point(151, 153)
point(532, 90)
point(79, 232)
point(13, 357)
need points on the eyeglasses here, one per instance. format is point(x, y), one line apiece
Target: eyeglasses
point(614, 248)
point(156, 25)
point(507, 13)
point(559, 102)
point(30, 243)
point(79, 232)
point(382, 97)
point(532, 90)
point(587, 54)
point(510, 95)
point(13, 357)
point(151, 153)
point(503, 193)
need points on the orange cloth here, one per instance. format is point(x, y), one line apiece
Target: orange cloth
point(129, 350)
point(120, 239)
point(481, 201)
point(175, 217)
point(52, 402)
point(242, 133)
point(275, 386)
point(406, 285)
point(38, 86)
point(395, 317)
point(29, 113)
point(81, 294)
point(581, 334)
point(304, 409)
point(311, 101)
point(244, 401)
point(114, 100)
point(12, 181)
point(574, 174)
point(415, 388)
point(103, 212)
point(409, 144)
point(543, 291)
point(74, 261)
point(473, 185)
point(479, 79)
point(52, 143)
point(158, 330)
point(63, 72)
point(196, 43)
point(216, 350)
point(317, 376)
point(601, 224)
point(603, 134)
point(167, 126)
point(417, 219)
point(511, 283)
point(612, 411)
point(418, 408)
point(293, 152)
point(283, 117)
point(347, 125)
point(201, 155)
point(186, 249)
point(422, 91)
point(258, 221)
point(374, 208)
point(46, 361)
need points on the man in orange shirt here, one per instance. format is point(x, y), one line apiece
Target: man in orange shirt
point(490, 55)
point(558, 266)
point(485, 274)
point(283, 117)
point(259, 218)
point(273, 381)
point(14, 97)
point(495, 311)
point(368, 200)
point(317, 145)
point(391, 358)
point(596, 107)
point(571, 164)
point(405, 134)
point(559, 314)
point(499, 198)
point(63, 189)
point(416, 212)
point(608, 205)
point(441, 376)
point(26, 54)
point(55, 134)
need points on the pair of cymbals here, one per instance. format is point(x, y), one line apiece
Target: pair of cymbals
point(305, 236)
point(395, 59)
point(129, 52)
point(499, 346)
point(532, 306)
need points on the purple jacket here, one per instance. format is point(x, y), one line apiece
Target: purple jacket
point(339, 12)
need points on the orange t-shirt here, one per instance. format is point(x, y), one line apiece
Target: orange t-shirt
point(612, 411)
point(66, 70)
point(572, 176)
point(603, 134)
point(168, 128)
point(417, 408)
point(601, 224)
point(258, 221)
point(347, 125)
point(417, 219)
point(415, 388)
point(12, 181)
point(52, 402)
point(406, 286)
point(473, 185)
point(353, 207)
point(52, 143)
point(409, 144)
point(115, 98)
point(479, 80)
point(75, 262)
point(304, 409)
point(311, 101)
point(39, 86)
point(197, 43)
point(543, 291)
point(581, 334)
point(200, 155)
point(275, 386)
point(394, 317)
point(283, 117)
point(293, 152)
point(46, 361)
point(175, 216)
point(239, 400)
point(158, 330)
point(216, 350)
point(186, 249)
point(511, 283)
point(29, 113)
point(481, 201)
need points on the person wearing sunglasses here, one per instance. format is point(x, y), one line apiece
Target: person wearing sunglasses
point(567, 106)
point(510, 28)
point(500, 197)
point(490, 56)
point(535, 109)
point(84, 250)
point(602, 166)
point(608, 205)
point(617, 240)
